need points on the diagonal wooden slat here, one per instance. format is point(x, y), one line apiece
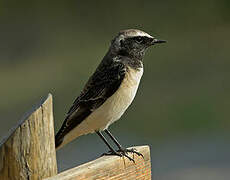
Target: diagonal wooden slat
point(111, 168)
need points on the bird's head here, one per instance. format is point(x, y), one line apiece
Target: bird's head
point(132, 43)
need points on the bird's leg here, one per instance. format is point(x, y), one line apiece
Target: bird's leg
point(121, 149)
point(106, 142)
point(112, 151)
point(113, 138)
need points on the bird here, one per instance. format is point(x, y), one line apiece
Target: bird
point(109, 91)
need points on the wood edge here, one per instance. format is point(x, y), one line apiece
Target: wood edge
point(103, 162)
point(26, 116)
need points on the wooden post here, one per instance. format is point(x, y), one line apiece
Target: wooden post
point(29, 151)
point(111, 167)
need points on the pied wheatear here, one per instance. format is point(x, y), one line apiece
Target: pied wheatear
point(109, 91)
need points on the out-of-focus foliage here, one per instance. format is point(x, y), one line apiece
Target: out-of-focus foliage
point(54, 47)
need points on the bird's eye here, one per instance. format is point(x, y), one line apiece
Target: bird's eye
point(139, 39)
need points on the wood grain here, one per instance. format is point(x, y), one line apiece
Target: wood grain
point(111, 168)
point(29, 151)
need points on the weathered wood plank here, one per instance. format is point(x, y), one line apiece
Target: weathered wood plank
point(111, 167)
point(29, 151)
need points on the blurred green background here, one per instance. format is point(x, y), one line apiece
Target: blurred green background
point(182, 107)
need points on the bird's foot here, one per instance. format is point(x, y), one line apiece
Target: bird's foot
point(132, 150)
point(119, 153)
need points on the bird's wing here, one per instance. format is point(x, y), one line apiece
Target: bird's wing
point(102, 84)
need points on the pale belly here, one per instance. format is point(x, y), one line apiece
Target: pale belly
point(112, 109)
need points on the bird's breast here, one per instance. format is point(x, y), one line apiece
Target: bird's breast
point(127, 90)
point(113, 108)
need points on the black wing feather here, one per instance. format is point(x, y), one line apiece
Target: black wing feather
point(102, 84)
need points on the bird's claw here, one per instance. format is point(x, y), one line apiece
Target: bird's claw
point(133, 150)
point(119, 153)
point(123, 152)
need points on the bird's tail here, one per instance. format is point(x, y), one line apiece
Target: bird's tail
point(59, 137)
point(58, 140)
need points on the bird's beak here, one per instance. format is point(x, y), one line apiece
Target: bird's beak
point(156, 41)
